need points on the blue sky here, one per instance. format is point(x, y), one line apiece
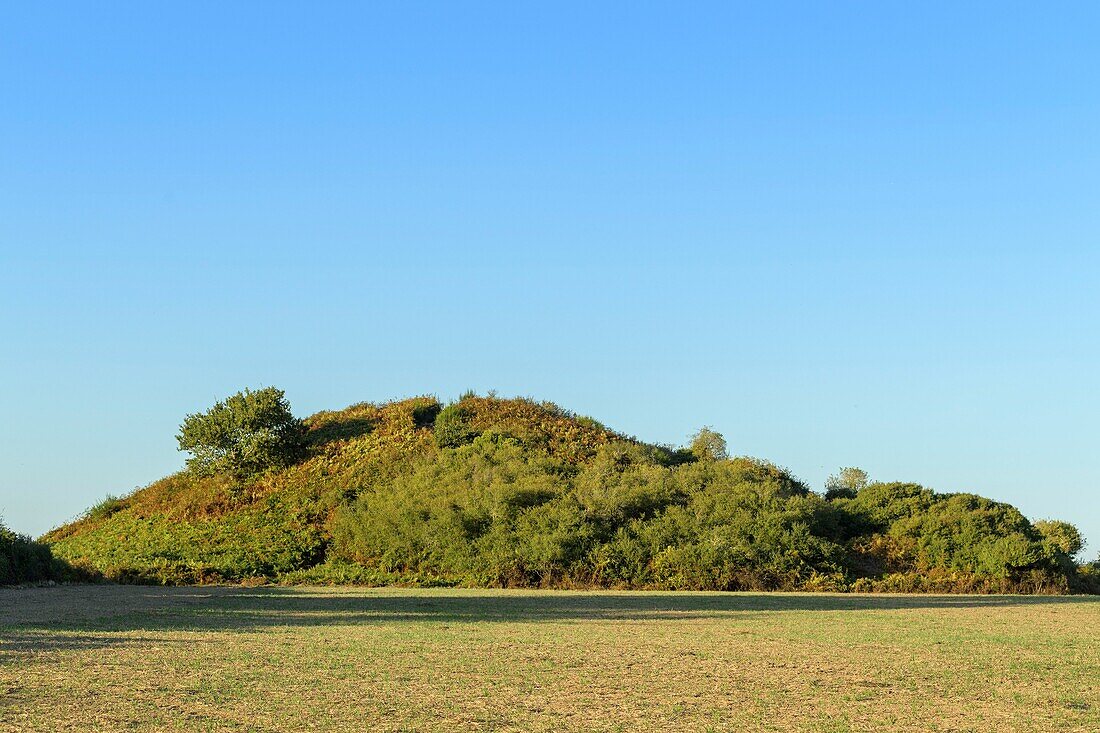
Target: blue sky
point(842, 234)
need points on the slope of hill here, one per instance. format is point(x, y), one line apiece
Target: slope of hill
point(513, 492)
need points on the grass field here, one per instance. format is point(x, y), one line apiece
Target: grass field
point(104, 658)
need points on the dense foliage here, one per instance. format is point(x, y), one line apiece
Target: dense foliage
point(496, 492)
point(491, 513)
point(22, 560)
point(846, 484)
point(243, 435)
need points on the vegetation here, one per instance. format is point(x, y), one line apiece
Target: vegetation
point(846, 484)
point(1060, 537)
point(452, 427)
point(515, 492)
point(243, 435)
point(109, 658)
point(708, 445)
point(22, 560)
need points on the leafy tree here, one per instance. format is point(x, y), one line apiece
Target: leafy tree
point(846, 484)
point(243, 435)
point(1061, 536)
point(709, 445)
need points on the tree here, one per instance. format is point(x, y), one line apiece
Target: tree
point(243, 435)
point(846, 484)
point(709, 445)
point(1062, 536)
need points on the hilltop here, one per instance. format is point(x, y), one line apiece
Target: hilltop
point(515, 492)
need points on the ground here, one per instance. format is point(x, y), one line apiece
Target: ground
point(105, 658)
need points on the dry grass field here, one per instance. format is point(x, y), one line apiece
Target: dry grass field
point(106, 658)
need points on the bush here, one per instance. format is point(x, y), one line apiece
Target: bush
point(452, 427)
point(268, 537)
point(846, 484)
point(709, 445)
point(105, 508)
point(1087, 578)
point(243, 435)
point(911, 529)
point(494, 512)
point(424, 414)
point(1060, 537)
point(22, 560)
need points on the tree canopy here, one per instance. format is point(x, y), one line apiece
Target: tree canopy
point(243, 435)
point(709, 445)
point(846, 484)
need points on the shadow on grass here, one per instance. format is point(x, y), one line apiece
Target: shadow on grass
point(69, 617)
point(43, 640)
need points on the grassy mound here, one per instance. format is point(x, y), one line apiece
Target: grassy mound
point(514, 492)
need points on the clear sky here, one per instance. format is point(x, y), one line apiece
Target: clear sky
point(841, 233)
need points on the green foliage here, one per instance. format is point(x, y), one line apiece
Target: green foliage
point(709, 445)
point(1060, 537)
point(846, 484)
point(338, 572)
point(22, 560)
point(452, 426)
point(515, 492)
point(908, 528)
point(1087, 578)
point(590, 422)
point(267, 538)
point(882, 504)
point(243, 435)
point(347, 424)
point(105, 508)
point(494, 513)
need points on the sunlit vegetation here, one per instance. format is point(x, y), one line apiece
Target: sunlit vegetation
point(243, 435)
point(514, 492)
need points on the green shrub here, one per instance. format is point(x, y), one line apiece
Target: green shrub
point(1087, 578)
point(1060, 538)
point(267, 538)
point(336, 572)
point(846, 484)
point(22, 560)
point(709, 445)
point(590, 422)
point(910, 529)
point(495, 512)
point(105, 508)
point(452, 427)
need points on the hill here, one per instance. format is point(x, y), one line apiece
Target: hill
point(514, 492)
